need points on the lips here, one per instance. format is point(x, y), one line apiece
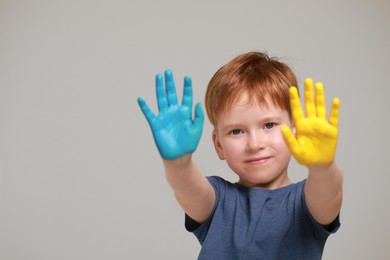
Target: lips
point(259, 160)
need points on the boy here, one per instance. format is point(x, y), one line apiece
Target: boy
point(258, 123)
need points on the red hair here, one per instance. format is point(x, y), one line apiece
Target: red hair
point(254, 73)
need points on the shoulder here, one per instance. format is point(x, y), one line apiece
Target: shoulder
point(220, 184)
point(214, 179)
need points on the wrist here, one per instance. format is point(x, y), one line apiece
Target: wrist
point(181, 162)
point(328, 172)
point(323, 167)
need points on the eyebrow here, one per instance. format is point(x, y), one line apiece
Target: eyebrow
point(262, 120)
point(271, 118)
point(231, 126)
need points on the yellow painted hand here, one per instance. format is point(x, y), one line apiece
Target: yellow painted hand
point(315, 140)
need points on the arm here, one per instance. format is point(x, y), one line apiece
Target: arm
point(192, 190)
point(315, 146)
point(177, 135)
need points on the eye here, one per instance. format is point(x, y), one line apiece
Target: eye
point(269, 125)
point(235, 132)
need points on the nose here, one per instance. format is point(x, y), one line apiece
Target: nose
point(254, 141)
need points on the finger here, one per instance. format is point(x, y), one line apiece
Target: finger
point(199, 116)
point(146, 110)
point(334, 113)
point(170, 88)
point(296, 107)
point(309, 98)
point(162, 100)
point(289, 138)
point(187, 93)
point(320, 100)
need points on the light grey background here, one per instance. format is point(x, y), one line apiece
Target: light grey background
point(80, 175)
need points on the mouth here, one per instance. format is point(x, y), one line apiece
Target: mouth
point(258, 160)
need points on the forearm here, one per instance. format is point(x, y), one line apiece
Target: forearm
point(192, 190)
point(182, 174)
point(323, 192)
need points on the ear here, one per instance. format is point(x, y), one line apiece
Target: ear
point(217, 145)
point(293, 128)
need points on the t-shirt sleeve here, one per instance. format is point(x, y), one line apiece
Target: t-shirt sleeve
point(320, 232)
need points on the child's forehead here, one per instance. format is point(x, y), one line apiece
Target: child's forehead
point(245, 101)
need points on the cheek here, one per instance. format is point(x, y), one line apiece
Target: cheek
point(284, 151)
point(231, 149)
point(279, 142)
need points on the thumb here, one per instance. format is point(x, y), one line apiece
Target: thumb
point(290, 139)
point(149, 115)
point(199, 116)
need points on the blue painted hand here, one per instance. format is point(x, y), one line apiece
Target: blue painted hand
point(176, 133)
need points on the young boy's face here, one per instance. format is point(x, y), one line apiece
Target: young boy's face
point(248, 137)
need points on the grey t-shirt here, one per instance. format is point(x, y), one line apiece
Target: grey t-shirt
point(257, 223)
